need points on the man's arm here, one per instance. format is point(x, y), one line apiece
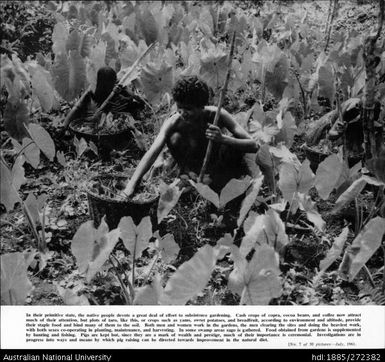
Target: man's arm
point(239, 139)
point(150, 156)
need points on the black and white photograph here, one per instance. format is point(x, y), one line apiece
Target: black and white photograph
point(193, 153)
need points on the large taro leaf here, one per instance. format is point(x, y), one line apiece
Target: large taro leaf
point(73, 41)
point(311, 211)
point(18, 173)
point(8, 192)
point(16, 117)
point(191, 277)
point(42, 139)
point(148, 26)
point(274, 230)
point(335, 251)
point(253, 228)
point(206, 192)
point(149, 294)
point(262, 281)
point(353, 191)
point(96, 60)
point(69, 74)
point(213, 67)
point(92, 247)
point(236, 281)
point(249, 200)
point(30, 151)
point(327, 175)
point(288, 176)
point(363, 247)
point(233, 189)
point(305, 177)
point(135, 238)
point(168, 248)
point(287, 129)
point(15, 284)
point(277, 79)
point(59, 38)
point(169, 196)
point(42, 86)
point(224, 245)
point(156, 80)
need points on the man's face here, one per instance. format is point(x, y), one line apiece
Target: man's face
point(188, 110)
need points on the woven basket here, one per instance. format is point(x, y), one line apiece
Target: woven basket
point(114, 210)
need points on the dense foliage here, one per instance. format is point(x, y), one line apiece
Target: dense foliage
point(308, 232)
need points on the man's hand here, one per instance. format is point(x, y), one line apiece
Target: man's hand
point(214, 133)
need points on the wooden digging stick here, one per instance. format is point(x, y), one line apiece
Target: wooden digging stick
point(121, 82)
point(217, 114)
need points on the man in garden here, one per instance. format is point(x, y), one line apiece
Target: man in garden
point(187, 134)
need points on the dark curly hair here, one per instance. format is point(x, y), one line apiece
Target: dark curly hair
point(105, 82)
point(191, 90)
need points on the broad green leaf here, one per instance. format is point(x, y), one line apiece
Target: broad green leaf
point(101, 252)
point(15, 285)
point(71, 298)
point(168, 248)
point(335, 251)
point(191, 277)
point(85, 45)
point(61, 158)
point(350, 194)
point(169, 196)
point(264, 157)
point(73, 41)
point(249, 200)
point(9, 196)
point(233, 189)
point(148, 26)
point(236, 281)
point(135, 238)
point(33, 207)
point(312, 213)
point(149, 294)
point(274, 230)
point(30, 151)
point(16, 117)
point(277, 79)
point(156, 80)
point(207, 193)
point(305, 177)
point(327, 175)
point(69, 74)
point(96, 61)
point(261, 278)
point(253, 228)
point(80, 146)
point(213, 67)
point(18, 173)
point(42, 86)
point(91, 247)
point(283, 154)
point(224, 245)
point(287, 183)
point(59, 38)
point(287, 131)
point(42, 139)
point(363, 247)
